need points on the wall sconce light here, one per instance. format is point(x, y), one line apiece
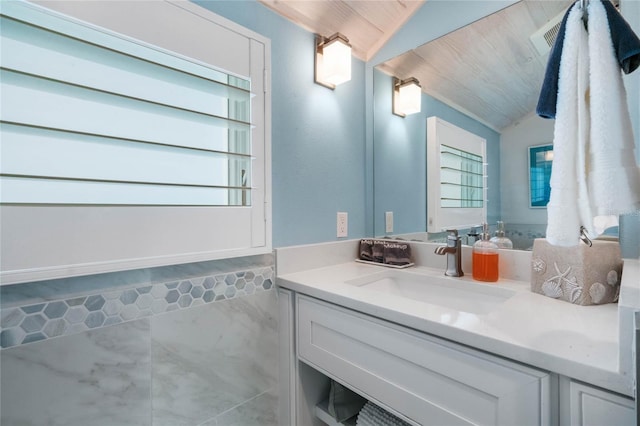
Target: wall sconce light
point(407, 96)
point(333, 60)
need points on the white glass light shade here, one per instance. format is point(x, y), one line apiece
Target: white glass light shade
point(407, 97)
point(333, 61)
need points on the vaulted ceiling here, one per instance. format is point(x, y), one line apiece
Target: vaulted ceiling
point(367, 23)
point(489, 69)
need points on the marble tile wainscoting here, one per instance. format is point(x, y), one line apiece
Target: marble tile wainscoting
point(185, 345)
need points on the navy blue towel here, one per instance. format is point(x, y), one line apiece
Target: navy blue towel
point(626, 45)
point(625, 42)
point(549, 92)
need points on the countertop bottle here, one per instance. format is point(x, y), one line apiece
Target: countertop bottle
point(500, 239)
point(485, 258)
point(472, 236)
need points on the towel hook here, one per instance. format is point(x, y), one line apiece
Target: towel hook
point(583, 236)
point(585, 11)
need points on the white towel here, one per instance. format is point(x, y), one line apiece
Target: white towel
point(372, 415)
point(614, 178)
point(565, 206)
point(594, 171)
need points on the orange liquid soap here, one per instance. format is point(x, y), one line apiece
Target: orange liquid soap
point(485, 266)
point(485, 258)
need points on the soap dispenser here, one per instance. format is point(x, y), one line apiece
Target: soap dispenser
point(472, 236)
point(500, 239)
point(485, 257)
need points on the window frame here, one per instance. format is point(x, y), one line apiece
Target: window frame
point(439, 219)
point(55, 241)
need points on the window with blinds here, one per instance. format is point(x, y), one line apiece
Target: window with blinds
point(101, 120)
point(461, 178)
point(132, 135)
point(456, 177)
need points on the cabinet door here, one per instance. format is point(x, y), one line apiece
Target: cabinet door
point(425, 380)
point(594, 407)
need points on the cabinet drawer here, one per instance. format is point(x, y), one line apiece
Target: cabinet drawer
point(595, 407)
point(425, 379)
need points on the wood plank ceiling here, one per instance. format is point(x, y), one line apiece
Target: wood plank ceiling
point(368, 24)
point(489, 69)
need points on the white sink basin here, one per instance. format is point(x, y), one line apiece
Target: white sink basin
point(452, 293)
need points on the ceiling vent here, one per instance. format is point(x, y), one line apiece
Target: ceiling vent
point(544, 38)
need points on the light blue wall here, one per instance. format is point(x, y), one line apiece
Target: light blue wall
point(318, 136)
point(400, 159)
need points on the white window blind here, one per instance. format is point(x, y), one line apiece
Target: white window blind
point(456, 177)
point(105, 121)
point(133, 134)
point(461, 178)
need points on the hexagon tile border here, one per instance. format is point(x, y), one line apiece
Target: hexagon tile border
point(46, 320)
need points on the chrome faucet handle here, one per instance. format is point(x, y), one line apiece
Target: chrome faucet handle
point(452, 238)
point(454, 254)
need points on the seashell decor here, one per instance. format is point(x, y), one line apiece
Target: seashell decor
point(552, 289)
point(581, 275)
point(597, 292)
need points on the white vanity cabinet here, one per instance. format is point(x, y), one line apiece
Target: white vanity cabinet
point(590, 406)
point(433, 363)
point(424, 379)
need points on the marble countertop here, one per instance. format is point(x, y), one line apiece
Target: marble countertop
point(586, 343)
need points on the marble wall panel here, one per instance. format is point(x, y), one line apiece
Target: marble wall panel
point(100, 377)
point(40, 321)
point(260, 411)
point(86, 350)
point(212, 358)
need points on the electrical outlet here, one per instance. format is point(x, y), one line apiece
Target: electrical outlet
point(342, 224)
point(388, 220)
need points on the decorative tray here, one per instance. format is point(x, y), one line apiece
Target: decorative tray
point(385, 264)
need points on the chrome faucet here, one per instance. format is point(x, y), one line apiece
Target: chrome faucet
point(453, 250)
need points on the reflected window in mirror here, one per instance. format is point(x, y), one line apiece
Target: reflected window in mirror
point(456, 177)
point(460, 178)
point(540, 161)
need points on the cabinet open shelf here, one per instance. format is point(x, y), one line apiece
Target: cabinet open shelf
point(322, 412)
